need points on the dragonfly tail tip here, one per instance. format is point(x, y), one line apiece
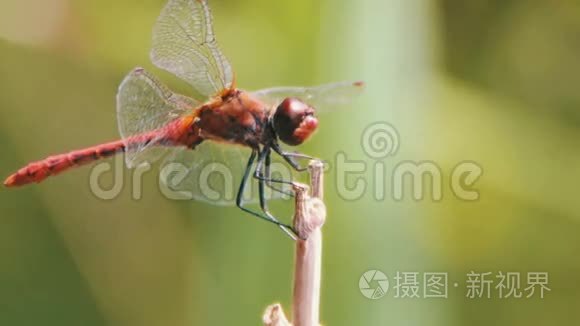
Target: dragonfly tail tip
point(10, 181)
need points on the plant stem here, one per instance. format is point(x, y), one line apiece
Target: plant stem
point(309, 216)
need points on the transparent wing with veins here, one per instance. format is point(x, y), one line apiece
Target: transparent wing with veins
point(184, 44)
point(322, 97)
point(144, 104)
point(211, 172)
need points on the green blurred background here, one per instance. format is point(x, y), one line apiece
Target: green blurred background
point(494, 82)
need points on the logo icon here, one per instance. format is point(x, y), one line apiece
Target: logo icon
point(373, 284)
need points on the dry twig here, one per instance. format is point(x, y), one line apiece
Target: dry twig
point(309, 216)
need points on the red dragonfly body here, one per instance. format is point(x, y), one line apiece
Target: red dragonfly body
point(235, 117)
point(150, 116)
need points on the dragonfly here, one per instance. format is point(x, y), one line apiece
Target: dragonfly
point(220, 125)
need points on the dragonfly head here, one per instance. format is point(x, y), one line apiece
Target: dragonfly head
point(294, 121)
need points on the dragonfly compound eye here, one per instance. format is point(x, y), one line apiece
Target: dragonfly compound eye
point(294, 121)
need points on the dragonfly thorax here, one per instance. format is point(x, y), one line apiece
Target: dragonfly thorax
point(237, 118)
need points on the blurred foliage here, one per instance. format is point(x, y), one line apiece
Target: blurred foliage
point(487, 81)
point(517, 49)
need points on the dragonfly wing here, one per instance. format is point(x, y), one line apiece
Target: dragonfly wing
point(320, 97)
point(212, 173)
point(184, 44)
point(144, 104)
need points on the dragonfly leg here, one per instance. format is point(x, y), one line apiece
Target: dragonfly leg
point(240, 200)
point(264, 156)
point(289, 157)
point(269, 183)
point(258, 174)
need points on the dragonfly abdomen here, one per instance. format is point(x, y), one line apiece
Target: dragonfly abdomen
point(53, 165)
point(175, 134)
